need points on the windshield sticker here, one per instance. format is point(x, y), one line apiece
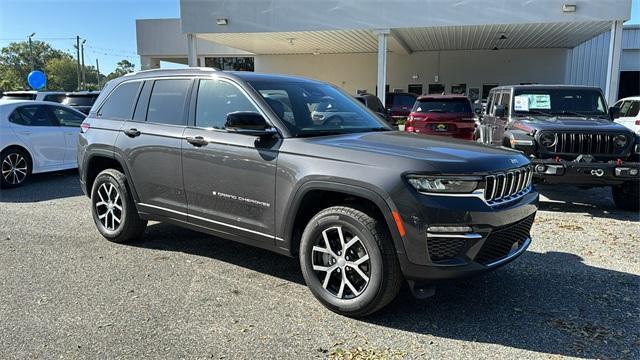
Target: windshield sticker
point(532, 101)
point(521, 103)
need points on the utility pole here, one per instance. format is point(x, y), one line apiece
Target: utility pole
point(98, 72)
point(84, 79)
point(33, 63)
point(78, 59)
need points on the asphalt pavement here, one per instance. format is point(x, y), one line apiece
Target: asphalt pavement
point(68, 293)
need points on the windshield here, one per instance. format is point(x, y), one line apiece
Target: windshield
point(79, 100)
point(314, 109)
point(581, 102)
point(442, 105)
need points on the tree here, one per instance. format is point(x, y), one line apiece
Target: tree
point(123, 67)
point(62, 74)
point(15, 62)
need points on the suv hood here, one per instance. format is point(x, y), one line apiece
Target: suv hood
point(410, 151)
point(570, 123)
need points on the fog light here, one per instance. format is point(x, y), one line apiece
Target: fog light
point(449, 229)
point(540, 168)
point(633, 172)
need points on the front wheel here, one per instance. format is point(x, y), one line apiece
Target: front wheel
point(627, 195)
point(114, 211)
point(349, 262)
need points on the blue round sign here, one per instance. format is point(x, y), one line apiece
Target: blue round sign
point(37, 79)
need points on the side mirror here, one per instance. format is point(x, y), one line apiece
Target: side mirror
point(248, 123)
point(500, 111)
point(614, 112)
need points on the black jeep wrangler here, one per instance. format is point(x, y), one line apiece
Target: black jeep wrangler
point(569, 136)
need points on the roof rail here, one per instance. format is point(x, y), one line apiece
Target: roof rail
point(160, 71)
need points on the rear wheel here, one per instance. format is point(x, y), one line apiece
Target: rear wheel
point(15, 167)
point(627, 195)
point(348, 261)
point(114, 211)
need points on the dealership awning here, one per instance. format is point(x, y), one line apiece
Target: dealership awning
point(406, 40)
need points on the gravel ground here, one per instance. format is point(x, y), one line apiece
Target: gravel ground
point(67, 293)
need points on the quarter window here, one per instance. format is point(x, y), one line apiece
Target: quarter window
point(119, 105)
point(168, 101)
point(66, 117)
point(216, 99)
point(31, 116)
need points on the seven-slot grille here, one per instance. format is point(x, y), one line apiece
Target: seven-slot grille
point(507, 185)
point(585, 143)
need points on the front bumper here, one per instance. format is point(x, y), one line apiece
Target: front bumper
point(496, 235)
point(551, 171)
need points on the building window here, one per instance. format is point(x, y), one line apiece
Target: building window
point(415, 89)
point(486, 88)
point(230, 63)
point(436, 89)
point(459, 89)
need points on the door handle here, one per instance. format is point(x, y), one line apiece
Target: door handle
point(132, 133)
point(197, 141)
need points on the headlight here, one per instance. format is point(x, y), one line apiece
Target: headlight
point(548, 139)
point(620, 141)
point(436, 184)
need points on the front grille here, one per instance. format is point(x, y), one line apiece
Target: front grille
point(500, 241)
point(507, 185)
point(444, 248)
point(586, 143)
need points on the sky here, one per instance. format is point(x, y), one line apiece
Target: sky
point(109, 26)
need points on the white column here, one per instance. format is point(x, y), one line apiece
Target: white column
point(192, 50)
point(613, 64)
point(382, 62)
point(148, 62)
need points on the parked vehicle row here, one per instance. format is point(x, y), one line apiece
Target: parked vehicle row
point(246, 157)
point(80, 100)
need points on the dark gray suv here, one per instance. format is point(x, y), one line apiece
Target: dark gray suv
point(239, 155)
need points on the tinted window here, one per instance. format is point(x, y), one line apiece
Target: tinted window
point(634, 109)
point(404, 100)
point(119, 104)
point(54, 97)
point(443, 106)
point(506, 97)
point(18, 96)
point(35, 115)
point(168, 101)
point(66, 117)
point(79, 100)
point(215, 100)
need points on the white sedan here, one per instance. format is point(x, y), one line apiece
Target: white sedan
point(36, 136)
point(629, 115)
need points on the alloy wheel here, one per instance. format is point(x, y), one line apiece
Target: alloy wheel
point(109, 206)
point(14, 168)
point(341, 262)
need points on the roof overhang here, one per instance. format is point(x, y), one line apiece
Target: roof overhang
point(407, 40)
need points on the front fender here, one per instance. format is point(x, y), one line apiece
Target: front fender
point(520, 140)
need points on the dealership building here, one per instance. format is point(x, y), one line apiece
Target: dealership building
point(428, 46)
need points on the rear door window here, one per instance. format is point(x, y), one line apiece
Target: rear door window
point(119, 104)
point(634, 109)
point(168, 101)
point(66, 117)
point(506, 100)
point(32, 115)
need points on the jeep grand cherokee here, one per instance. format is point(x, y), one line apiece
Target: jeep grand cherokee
point(238, 155)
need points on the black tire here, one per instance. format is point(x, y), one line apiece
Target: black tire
point(627, 195)
point(130, 226)
point(10, 178)
point(385, 277)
